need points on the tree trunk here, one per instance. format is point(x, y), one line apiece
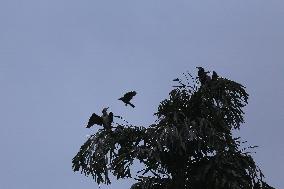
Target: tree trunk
point(179, 179)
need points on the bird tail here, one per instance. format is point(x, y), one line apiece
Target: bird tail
point(132, 105)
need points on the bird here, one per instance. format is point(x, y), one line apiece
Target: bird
point(202, 75)
point(105, 120)
point(214, 76)
point(127, 97)
point(176, 79)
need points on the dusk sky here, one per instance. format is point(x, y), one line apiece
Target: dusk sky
point(61, 60)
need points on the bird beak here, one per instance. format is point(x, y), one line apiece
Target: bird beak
point(106, 108)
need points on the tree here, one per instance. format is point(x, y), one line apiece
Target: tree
point(189, 146)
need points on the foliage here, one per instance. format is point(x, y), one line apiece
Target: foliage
point(189, 146)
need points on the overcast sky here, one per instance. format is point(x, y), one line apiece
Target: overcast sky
point(62, 60)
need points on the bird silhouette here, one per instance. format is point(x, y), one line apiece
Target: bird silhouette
point(105, 120)
point(214, 76)
point(127, 97)
point(202, 76)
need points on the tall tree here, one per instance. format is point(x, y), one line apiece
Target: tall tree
point(189, 146)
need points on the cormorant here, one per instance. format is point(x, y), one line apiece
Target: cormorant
point(202, 75)
point(214, 76)
point(127, 97)
point(105, 120)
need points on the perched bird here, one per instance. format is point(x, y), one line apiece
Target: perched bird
point(127, 97)
point(214, 76)
point(105, 120)
point(202, 75)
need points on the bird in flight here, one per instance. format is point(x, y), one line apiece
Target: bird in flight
point(105, 120)
point(127, 97)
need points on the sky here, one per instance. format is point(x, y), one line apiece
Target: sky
point(61, 60)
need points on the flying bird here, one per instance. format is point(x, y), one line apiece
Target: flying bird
point(214, 76)
point(127, 97)
point(202, 75)
point(105, 120)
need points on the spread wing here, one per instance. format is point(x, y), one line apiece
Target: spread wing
point(95, 119)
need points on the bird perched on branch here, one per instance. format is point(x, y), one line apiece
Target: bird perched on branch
point(127, 97)
point(105, 120)
point(202, 75)
point(214, 76)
